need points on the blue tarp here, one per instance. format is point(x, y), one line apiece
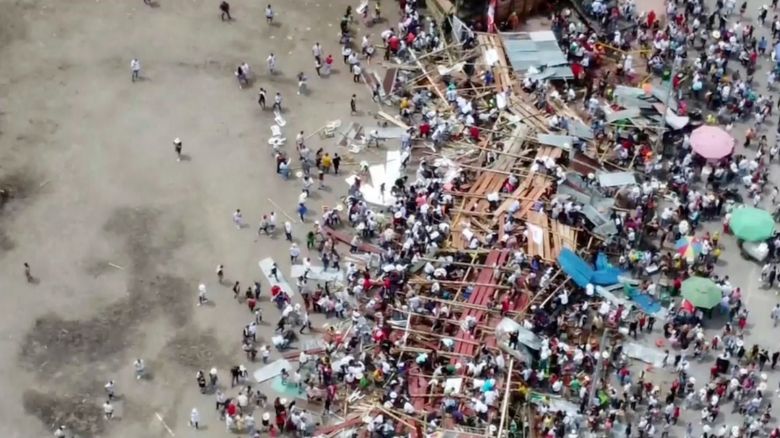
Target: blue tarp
point(643, 301)
point(583, 274)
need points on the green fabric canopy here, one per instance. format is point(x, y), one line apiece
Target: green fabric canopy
point(751, 224)
point(701, 292)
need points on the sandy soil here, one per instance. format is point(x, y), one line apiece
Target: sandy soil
point(87, 160)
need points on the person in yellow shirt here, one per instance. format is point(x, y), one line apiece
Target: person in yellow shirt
point(326, 162)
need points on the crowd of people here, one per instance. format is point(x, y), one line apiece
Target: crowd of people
point(693, 47)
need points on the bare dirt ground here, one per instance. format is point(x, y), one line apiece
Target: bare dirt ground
point(118, 233)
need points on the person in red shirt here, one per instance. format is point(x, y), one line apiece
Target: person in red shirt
point(232, 409)
point(650, 19)
point(505, 305)
point(251, 303)
point(394, 44)
point(425, 130)
point(474, 133)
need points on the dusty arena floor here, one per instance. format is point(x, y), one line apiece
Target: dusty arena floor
point(117, 232)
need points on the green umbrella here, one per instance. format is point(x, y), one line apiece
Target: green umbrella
point(751, 224)
point(701, 292)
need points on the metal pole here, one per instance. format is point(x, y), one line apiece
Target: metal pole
point(664, 125)
point(597, 371)
point(505, 404)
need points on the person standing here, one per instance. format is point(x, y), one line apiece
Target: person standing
point(140, 368)
point(224, 8)
point(353, 104)
point(238, 219)
point(356, 70)
point(271, 62)
point(108, 410)
point(295, 252)
point(302, 211)
point(177, 148)
point(277, 102)
point(220, 273)
point(261, 98)
point(236, 290)
point(202, 294)
point(27, 273)
point(135, 70)
point(288, 231)
point(275, 271)
point(194, 418)
point(336, 163)
point(269, 14)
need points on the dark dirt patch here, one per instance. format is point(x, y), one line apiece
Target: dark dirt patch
point(15, 187)
point(80, 412)
point(195, 350)
point(12, 26)
point(54, 342)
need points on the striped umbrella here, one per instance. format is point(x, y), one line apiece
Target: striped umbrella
point(688, 247)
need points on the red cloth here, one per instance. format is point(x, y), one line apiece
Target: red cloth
point(251, 303)
point(231, 409)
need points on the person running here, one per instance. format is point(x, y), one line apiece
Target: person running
point(224, 8)
point(316, 50)
point(261, 98)
point(110, 389)
point(277, 102)
point(301, 83)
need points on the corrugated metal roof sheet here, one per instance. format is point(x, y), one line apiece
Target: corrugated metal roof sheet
point(536, 49)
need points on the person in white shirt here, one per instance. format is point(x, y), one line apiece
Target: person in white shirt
point(271, 61)
point(316, 50)
point(195, 418)
point(135, 70)
point(108, 410)
point(269, 14)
